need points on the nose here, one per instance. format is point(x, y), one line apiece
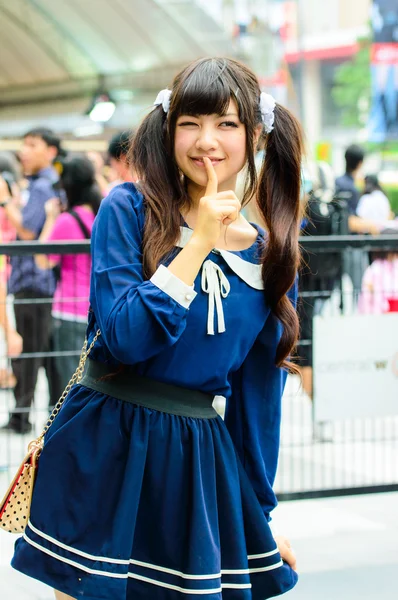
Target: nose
point(207, 139)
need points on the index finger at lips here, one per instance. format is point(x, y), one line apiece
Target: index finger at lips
point(212, 180)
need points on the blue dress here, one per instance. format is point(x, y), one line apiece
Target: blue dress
point(133, 503)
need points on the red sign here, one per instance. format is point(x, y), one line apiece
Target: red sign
point(386, 54)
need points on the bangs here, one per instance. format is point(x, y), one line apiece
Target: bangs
point(207, 89)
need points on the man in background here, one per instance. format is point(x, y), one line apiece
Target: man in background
point(355, 261)
point(33, 288)
point(346, 189)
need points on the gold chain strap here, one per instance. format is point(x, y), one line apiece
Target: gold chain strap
point(76, 377)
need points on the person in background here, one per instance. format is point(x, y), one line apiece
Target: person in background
point(379, 293)
point(32, 288)
point(355, 260)
point(70, 307)
point(9, 175)
point(345, 187)
point(118, 157)
point(98, 163)
point(320, 272)
point(374, 204)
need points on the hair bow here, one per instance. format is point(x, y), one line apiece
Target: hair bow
point(267, 107)
point(163, 98)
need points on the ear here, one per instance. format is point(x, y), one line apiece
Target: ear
point(257, 134)
point(52, 152)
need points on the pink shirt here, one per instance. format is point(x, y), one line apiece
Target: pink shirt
point(71, 295)
point(7, 234)
point(379, 287)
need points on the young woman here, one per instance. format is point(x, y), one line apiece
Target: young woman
point(8, 168)
point(143, 490)
point(374, 204)
point(70, 307)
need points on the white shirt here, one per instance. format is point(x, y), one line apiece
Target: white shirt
point(375, 207)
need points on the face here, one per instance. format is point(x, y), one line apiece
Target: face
point(121, 168)
point(36, 154)
point(117, 166)
point(221, 138)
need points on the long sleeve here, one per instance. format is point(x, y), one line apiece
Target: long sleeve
point(33, 213)
point(138, 318)
point(253, 412)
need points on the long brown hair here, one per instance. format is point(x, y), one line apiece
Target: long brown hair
point(206, 87)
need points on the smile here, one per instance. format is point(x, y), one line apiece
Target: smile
point(198, 161)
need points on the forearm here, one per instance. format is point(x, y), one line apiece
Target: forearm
point(358, 225)
point(3, 308)
point(41, 259)
point(14, 216)
point(4, 320)
point(102, 184)
point(187, 264)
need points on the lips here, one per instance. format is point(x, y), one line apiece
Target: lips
point(199, 162)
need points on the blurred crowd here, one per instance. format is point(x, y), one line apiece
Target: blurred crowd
point(334, 205)
point(49, 196)
point(352, 203)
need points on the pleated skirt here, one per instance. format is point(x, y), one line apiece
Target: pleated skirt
point(141, 496)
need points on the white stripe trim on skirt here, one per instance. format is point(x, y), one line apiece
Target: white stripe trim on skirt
point(150, 567)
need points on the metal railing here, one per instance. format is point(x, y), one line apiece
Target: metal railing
point(318, 457)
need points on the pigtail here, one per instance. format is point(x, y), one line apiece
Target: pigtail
point(161, 186)
point(279, 203)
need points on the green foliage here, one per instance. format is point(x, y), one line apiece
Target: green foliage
point(352, 86)
point(392, 193)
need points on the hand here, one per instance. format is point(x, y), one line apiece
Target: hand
point(52, 208)
point(14, 343)
point(286, 552)
point(216, 209)
point(4, 191)
point(374, 229)
point(97, 161)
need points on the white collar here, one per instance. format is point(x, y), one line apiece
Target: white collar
point(216, 284)
point(249, 272)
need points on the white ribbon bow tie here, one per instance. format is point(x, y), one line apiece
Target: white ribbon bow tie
point(217, 286)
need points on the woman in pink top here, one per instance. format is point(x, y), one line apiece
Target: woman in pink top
point(70, 306)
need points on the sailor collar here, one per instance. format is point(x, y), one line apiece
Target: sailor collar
point(216, 284)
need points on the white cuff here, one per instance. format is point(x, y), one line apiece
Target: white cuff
point(173, 286)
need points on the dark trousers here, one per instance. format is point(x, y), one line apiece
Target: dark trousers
point(33, 323)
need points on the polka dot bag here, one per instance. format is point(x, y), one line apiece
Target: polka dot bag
point(15, 506)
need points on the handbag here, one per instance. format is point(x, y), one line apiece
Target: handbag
point(15, 506)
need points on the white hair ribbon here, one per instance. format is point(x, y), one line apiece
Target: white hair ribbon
point(267, 107)
point(163, 98)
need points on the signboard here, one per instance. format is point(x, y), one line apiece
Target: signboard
point(383, 124)
point(355, 362)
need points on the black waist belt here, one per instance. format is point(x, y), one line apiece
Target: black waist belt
point(133, 388)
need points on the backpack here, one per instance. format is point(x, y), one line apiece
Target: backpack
point(326, 214)
point(327, 211)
